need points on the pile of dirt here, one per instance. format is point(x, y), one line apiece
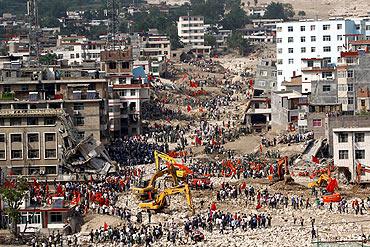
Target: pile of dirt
point(281, 185)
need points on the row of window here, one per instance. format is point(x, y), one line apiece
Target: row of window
point(17, 154)
point(343, 137)
point(31, 137)
point(359, 154)
point(303, 49)
point(29, 121)
point(325, 27)
point(125, 92)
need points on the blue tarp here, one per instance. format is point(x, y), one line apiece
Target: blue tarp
point(139, 73)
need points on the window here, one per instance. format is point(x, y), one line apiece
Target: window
point(313, 38)
point(339, 37)
point(72, 56)
point(303, 28)
point(303, 49)
point(78, 106)
point(326, 27)
point(313, 49)
point(49, 121)
point(49, 137)
point(280, 72)
point(359, 154)
point(50, 170)
point(56, 218)
point(350, 73)
point(343, 137)
point(2, 154)
point(290, 29)
point(16, 154)
point(33, 153)
point(350, 87)
point(326, 88)
point(316, 123)
point(80, 121)
point(24, 87)
point(326, 38)
point(133, 92)
point(350, 100)
point(279, 40)
point(81, 134)
point(339, 26)
point(280, 50)
point(279, 29)
point(339, 48)
point(359, 137)
point(343, 154)
point(33, 137)
point(16, 138)
point(290, 50)
point(367, 27)
point(290, 39)
point(32, 121)
point(327, 48)
point(279, 61)
point(312, 27)
point(291, 61)
point(50, 153)
point(358, 26)
point(2, 137)
point(15, 121)
point(363, 102)
point(303, 39)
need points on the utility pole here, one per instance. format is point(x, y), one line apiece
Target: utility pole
point(112, 14)
point(33, 31)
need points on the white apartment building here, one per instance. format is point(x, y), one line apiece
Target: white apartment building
point(308, 39)
point(155, 47)
point(351, 146)
point(191, 32)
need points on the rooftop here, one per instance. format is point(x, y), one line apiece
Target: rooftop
point(362, 129)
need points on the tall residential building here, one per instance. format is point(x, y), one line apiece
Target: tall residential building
point(191, 32)
point(314, 39)
point(126, 92)
point(42, 109)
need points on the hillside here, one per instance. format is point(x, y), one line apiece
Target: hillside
point(313, 8)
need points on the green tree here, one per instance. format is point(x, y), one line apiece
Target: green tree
point(237, 42)
point(48, 59)
point(301, 13)
point(235, 19)
point(13, 194)
point(279, 11)
point(210, 40)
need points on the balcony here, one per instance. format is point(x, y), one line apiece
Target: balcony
point(7, 96)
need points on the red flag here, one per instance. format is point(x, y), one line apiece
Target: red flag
point(198, 141)
point(213, 206)
point(105, 226)
point(261, 148)
point(315, 160)
point(189, 108)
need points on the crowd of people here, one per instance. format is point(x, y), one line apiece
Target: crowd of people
point(134, 150)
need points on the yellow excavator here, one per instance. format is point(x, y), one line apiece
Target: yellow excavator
point(321, 182)
point(150, 189)
point(181, 170)
point(159, 201)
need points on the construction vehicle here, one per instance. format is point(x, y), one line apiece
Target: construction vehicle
point(281, 174)
point(181, 172)
point(321, 182)
point(149, 188)
point(160, 200)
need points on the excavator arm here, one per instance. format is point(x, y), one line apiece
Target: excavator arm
point(159, 202)
point(181, 173)
point(150, 188)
